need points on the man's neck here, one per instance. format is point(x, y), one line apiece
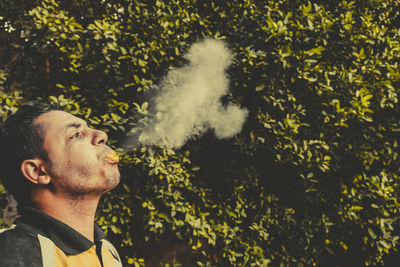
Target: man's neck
point(76, 213)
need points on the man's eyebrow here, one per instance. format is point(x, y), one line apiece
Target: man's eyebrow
point(74, 125)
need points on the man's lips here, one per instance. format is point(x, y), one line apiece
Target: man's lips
point(111, 157)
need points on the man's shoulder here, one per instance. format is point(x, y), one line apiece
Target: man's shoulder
point(19, 248)
point(13, 234)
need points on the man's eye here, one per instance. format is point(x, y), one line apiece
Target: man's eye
point(76, 135)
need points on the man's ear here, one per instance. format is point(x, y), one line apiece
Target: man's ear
point(35, 171)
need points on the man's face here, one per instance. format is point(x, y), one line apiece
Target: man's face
point(77, 154)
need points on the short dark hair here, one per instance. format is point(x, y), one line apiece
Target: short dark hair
point(22, 138)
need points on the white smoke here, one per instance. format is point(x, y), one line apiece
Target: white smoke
point(189, 99)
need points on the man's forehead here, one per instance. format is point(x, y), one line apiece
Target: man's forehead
point(57, 119)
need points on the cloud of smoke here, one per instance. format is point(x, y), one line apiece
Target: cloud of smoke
point(189, 99)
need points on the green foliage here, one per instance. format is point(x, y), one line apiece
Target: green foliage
point(313, 179)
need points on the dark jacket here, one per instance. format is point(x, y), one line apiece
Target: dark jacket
point(39, 240)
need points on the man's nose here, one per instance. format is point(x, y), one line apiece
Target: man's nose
point(99, 137)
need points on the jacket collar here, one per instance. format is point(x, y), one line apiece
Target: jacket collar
point(66, 238)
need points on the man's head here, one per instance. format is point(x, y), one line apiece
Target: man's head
point(49, 149)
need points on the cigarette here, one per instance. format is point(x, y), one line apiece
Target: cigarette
point(112, 156)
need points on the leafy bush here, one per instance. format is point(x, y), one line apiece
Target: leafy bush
point(313, 178)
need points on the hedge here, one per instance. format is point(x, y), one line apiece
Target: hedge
point(312, 179)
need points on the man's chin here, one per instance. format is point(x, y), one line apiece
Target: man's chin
point(113, 180)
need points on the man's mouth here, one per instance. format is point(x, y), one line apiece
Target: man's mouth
point(112, 157)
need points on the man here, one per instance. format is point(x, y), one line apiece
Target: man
point(57, 168)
